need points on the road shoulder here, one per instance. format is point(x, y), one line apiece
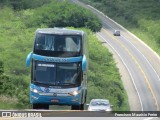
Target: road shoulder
point(126, 79)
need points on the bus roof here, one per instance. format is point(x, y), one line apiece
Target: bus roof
point(59, 31)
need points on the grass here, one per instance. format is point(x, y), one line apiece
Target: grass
point(8, 103)
point(104, 80)
point(147, 39)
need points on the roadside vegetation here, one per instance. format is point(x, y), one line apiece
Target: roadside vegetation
point(141, 17)
point(104, 80)
point(17, 27)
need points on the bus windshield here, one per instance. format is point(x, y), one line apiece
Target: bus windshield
point(57, 45)
point(61, 74)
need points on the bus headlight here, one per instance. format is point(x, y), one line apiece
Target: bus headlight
point(34, 90)
point(74, 93)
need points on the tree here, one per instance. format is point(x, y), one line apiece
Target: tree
point(23, 4)
point(63, 14)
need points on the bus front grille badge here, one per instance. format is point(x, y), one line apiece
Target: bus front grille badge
point(54, 94)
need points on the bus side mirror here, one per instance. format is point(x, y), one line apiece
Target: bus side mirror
point(28, 59)
point(84, 63)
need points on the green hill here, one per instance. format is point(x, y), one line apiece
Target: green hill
point(141, 17)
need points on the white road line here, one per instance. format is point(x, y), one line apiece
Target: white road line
point(144, 58)
point(126, 31)
point(126, 68)
point(150, 118)
point(130, 42)
point(140, 53)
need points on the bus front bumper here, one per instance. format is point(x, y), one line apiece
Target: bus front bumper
point(55, 99)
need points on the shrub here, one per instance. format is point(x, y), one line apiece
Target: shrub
point(63, 14)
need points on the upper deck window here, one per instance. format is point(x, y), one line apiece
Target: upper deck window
point(57, 44)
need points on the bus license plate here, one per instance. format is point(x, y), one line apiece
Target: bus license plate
point(54, 100)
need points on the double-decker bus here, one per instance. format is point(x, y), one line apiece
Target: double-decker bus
point(58, 68)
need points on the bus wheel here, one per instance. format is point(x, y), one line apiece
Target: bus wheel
point(40, 106)
point(82, 107)
point(75, 107)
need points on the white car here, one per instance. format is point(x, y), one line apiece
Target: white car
point(116, 33)
point(99, 105)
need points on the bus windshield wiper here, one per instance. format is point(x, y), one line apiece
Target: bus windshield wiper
point(48, 84)
point(66, 84)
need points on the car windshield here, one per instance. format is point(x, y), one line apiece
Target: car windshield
point(55, 45)
point(99, 103)
point(57, 74)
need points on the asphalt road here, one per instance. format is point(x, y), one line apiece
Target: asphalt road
point(142, 63)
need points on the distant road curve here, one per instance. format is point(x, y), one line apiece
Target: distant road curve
point(140, 61)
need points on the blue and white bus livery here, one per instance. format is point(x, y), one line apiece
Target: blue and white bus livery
point(58, 68)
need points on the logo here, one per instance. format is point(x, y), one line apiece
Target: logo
point(46, 90)
point(56, 59)
point(6, 114)
point(46, 65)
point(54, 94)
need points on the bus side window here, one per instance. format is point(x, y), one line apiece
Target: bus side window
point(72, 44)
point(40, 43)
point(59, 43)
point(49, 41)
point(68, 43)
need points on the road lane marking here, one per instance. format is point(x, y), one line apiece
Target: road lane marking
point(11, 118)
point(140, 52)
point(150, 118)
point(143, 57)
point(129, 41)
point(144, 75)
point(125, 30)
point(133, 57)
point(154, 97)
point(142, 70)
point(127, 70)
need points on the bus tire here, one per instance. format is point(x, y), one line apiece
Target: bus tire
point(75, 107)
point(40, 106)
point(82, 107)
